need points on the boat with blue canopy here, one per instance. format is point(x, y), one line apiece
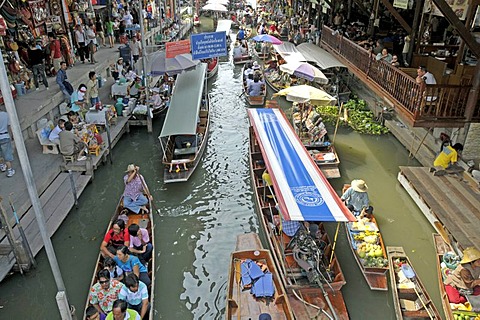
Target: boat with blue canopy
point(294, 199)
point(185, 130)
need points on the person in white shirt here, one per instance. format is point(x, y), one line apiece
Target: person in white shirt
point(80, 42)
point(128, 18)
point(53, 136)
point(237, 51)
point(136, 47)
point(429, 78)
point(92, 42)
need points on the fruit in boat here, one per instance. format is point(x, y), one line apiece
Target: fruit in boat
point(378, 253)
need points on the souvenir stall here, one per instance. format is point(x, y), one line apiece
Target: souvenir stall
point(25, 22)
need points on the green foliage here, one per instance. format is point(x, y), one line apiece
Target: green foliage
point(360, 118)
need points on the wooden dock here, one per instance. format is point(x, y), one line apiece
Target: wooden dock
point(91, 164)
point(449, 201)
point(56, 201)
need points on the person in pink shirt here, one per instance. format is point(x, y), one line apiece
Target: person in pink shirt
point(140, 243)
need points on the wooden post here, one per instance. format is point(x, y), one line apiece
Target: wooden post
point(16, 246)
point(416, 22)
point(109, 140)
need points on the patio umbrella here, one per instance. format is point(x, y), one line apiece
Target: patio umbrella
point(305, 93)
point(215, 7)
point(305, 71)
point(160, 65)
point(267, 38)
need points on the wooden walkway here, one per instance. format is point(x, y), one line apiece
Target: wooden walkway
point(450, 200)
point(57, 201)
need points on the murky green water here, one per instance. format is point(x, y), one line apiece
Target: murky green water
point(199, 220)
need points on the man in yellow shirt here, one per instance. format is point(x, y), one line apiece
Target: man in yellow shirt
point(447, 158)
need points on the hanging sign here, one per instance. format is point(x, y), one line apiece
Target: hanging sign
point(401, 4)
point(174, 48)
point(209, 45)
point(459, 7)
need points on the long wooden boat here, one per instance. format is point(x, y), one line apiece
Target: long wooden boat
point(185, 132)
point(271, 77)
point(144, 221)
point(254, 100)
point(212, 68)
point(366, 242)
point(316, 291)
point(410, 298)
point(442, 248)
point(241, 303)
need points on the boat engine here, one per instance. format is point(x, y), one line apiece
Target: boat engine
point(309, 253)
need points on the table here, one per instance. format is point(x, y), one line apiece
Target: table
point(119, 90)
point(96, 116)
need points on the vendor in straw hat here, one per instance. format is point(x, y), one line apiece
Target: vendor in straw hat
point(356, 197)
point(134, 198)
point(465, 279)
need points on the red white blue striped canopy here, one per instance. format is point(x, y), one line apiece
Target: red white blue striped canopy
point(302, 191)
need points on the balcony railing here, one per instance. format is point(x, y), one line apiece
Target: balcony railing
point(420, 105)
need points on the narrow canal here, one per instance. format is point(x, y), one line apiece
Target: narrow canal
point(199, 220)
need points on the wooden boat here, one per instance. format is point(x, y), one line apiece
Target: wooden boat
point(442, 248)
point(239, 299)
point(254, 100)
point(185, 132)
point(271, 78)
point(212, 68)
point(262, 55)
point(411, 300)
point(307, 296)
point(373, 266)
point(144, 221)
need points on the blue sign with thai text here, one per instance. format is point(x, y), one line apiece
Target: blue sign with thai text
point(208, 45)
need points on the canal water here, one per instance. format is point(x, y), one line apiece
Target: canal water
point(198, 221)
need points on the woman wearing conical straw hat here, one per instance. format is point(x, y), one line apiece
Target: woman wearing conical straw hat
point(356, 197)
point(465, 279)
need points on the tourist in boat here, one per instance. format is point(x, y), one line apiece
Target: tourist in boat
point(135, 187)
point(249, 68)
point(237, 50)
point(256, 87)
point(465, 279)
point(93, 314)
point(103, 293)
point(130, 263)
point(115, 238)
point(241, 34)
point(244, 49)
point(249, 79)
point(356, 197)
point(448, 157)
point(140, 243)
point(135, 293)
point(120, 311)
point(115, 271)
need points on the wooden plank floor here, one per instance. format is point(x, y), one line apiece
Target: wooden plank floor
point(56, 201)
point(450, 199)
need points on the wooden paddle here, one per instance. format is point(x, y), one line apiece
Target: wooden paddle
point(238, 278)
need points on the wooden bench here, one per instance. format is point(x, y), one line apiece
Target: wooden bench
point(42, 134)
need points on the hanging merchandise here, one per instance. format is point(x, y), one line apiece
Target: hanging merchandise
point(3, 27)
point(39, 12)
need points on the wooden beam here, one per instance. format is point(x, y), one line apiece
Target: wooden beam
point(459, 26)
point(397, 16)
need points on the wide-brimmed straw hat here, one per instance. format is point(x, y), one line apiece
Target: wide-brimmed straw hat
point(359, 185)
point(470, 254)
point(131, 167)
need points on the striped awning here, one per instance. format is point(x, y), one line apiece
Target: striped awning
point(302, 191)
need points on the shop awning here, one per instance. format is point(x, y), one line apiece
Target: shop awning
point(302, 191)
point(320, 57)
point(182, 115)
point(289, 52)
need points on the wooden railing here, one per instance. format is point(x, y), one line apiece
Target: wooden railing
point(417, 102)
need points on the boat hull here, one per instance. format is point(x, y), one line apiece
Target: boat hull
point(416, 300)
point(242, 301)
point(141, 220)
point(301, 293)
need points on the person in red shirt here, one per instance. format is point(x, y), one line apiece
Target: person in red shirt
point(115, 238)
point(55, 51)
